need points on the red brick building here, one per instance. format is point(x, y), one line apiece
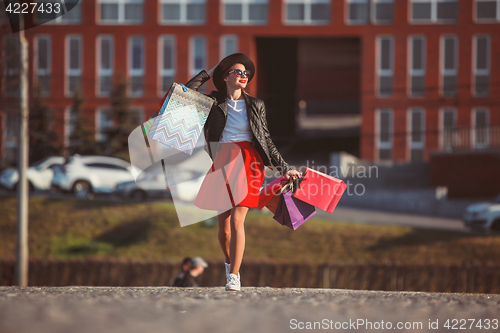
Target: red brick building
point(409, 76)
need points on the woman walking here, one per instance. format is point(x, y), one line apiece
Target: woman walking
point(237, 125)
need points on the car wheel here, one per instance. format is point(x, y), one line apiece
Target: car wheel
point(496, 225)
point(138, 195)
point(82, 190)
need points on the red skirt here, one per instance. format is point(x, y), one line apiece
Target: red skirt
point(234, 179)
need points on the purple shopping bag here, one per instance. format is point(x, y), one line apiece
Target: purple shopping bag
point(293, 212)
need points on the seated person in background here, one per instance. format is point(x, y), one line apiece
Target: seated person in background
point(198, 265)
point(185, 267)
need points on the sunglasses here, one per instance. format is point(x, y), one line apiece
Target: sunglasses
point(239, 72)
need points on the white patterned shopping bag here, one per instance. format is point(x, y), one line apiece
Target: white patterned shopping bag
point(180, 119)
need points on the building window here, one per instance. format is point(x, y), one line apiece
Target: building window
point(417, 66)
point(364, 11)
point(42, 63)
point(245, 11)
point(73, 64)
point(384, 133)
point(382, 11)
point(105, 65)
point(385, 65)
point(449, 65)
point(228, 45)
point(480, 128)
point(487, 10)
point(12, 121)
point(447, 125)
point(434, 11)
point(70, 118)
point(121, 11)
point(481, 65)
point(12, 67)
point(359, 11)
point(307, 11)
point(198, 57)
point(183, 11)
point(167, 62)
point(103, 121)
point(136, 66)
point(71, 9)
point(416, 134)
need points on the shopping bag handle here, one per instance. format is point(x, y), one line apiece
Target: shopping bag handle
point(292, 184)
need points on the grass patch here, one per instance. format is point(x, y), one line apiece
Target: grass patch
point(70, 228)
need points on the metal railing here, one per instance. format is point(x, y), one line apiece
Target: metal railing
point(471, 138)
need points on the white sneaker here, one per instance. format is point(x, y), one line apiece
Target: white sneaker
point(228, 270)
point(233, 283)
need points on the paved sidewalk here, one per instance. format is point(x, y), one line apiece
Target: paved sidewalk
point(168, 309)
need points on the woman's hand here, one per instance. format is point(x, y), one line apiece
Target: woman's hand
point(294, 174)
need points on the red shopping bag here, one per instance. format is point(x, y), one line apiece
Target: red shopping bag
point(320, 190)
point(268, 194)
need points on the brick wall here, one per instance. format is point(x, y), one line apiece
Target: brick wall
point(464, 29)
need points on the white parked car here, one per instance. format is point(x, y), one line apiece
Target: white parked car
point(150, 184)
point(86, 175)
point(39, 174)
point(483, 215)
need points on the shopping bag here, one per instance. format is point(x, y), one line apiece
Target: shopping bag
point(320, 190)
point(273, 203)
point(293, 212)
point(268, 197)
point(179, 120)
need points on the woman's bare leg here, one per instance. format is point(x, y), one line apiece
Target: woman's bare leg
point(225, 232)
point(237, 243)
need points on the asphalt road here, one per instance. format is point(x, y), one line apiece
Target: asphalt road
point(169, 309)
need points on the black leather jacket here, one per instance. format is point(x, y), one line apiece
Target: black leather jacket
point(256, 112)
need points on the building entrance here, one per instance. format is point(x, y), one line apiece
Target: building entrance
point(311, 86)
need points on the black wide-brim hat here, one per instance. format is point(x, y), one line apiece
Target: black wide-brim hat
point(226, 63)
